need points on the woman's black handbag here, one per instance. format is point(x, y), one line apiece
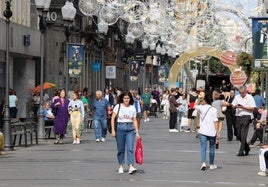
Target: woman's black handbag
point(54, 111)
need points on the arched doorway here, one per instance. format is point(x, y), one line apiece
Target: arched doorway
point(185, 57)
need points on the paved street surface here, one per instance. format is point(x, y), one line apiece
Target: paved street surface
point(170, 159)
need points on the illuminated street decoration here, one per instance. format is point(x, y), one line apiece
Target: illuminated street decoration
point(180, 25)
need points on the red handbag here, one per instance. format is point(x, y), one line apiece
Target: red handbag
point(139, 152)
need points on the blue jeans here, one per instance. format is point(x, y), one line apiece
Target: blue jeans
point(125, 140)
point(203, 141)
point(179, 116)
point(100, 127)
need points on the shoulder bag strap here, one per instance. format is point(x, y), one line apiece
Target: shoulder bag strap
point(118, 111)
point(205, 114)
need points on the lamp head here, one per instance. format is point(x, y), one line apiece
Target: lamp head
point(68, 11)
point(7, 12)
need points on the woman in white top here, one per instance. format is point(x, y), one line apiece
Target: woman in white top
point(77, 113)
point(13, 103)
point(208, 130)
point(165, 104)
point(125, 131)
point(182, 109)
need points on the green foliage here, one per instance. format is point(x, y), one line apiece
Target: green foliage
point(216, 66)
point(245, 60)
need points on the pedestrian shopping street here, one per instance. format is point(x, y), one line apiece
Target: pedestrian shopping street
point(170, 159)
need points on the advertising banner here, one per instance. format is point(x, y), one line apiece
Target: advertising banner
point(76, 58)
point(134, 70)
point(162, 73)
point(260, 43)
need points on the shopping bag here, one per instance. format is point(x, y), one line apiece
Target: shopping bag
point(194, 114)
point(184, 122)
point(139, 152)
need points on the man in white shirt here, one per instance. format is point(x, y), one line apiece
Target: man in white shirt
point(244, 105)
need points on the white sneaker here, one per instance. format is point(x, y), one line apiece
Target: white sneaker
point(74, 142)
point(188, 130)
point(78, 141)
point(145, 120)
point(148, 119)
point(102, 139)
point(97, 140)
point(213, 166)
point(132, 170)
point(121, 170)
point(262, 173)
point(173, 130)
point(203, 166)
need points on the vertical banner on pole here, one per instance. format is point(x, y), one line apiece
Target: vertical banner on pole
point(260, 47)
point(260, 42)
point(76, 58)
point(134, 70)
point(162, 73)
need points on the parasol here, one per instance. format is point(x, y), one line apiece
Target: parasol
point(46, 85)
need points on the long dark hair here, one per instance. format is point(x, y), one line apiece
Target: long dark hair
point(120, 100)
point(208, 99)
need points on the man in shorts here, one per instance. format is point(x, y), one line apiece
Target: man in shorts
point(192, 96)
point(146, 101)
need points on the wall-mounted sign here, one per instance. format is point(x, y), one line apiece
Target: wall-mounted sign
point(96, 66)
point(110, 72)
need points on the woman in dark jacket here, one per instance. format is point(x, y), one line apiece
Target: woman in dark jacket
point(173, 111)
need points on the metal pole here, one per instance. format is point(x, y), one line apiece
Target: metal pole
point(144, 76)
point(6, 120)
point(266, 90)
point(42, 27)
point(67, 36)
point(246, 42)
point(67, 65)
point(41, 127)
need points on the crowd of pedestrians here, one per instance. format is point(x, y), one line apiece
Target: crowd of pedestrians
point(204, 110)
point(200, 111)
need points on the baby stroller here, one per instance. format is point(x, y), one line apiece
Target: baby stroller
point(153, 109)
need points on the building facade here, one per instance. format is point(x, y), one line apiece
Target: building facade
point(107, 50)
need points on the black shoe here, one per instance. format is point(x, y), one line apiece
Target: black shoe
point(230, 139)
point(240, 154)
point(247, 151)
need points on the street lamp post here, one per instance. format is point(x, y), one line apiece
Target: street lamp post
point(42, 7)
point(6, 126)
point(68, 14)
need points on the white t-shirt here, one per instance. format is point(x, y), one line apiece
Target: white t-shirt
point(126, 114)
point(208, 115)
point(248, 101)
